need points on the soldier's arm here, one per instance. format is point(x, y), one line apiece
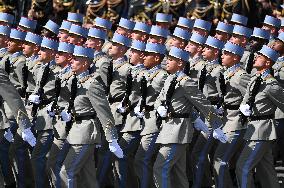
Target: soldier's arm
point(275, 94)
point(243, 82)
point(102, 66)
point(14, 101)
point(98, 99)
point(19, 72)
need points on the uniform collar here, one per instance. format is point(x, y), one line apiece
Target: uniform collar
point(51, 63)
point(179, 74)
point(83, 74)
point(194, 60)
point(280, 59)
point(3, 50)
point(16, 54)
point(213, 62)
point(265, 74)
point(32, 58)
point(154, 69)
point(120, 60)
point(66, 69)
point(232, 70)
point(139, 66)
point(98, 53)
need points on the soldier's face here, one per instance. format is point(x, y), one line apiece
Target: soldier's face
point(3, 41)
point(63, 36)
point(239, 40)
point(176, 43)
point(278, 46)
point(136, 35)
point(28, 49)
point(79, 64)
point(222, 36)
point(5, 24)
point(281, 29)
point(14, 46)
point(46, 55)
point(209, 54)
point(155, 39)
point(62, 58)
point(192, 48)
point(116, 50)
point(93, 43)
point(164, 25)
point(200, 31)
point(151, 60)
point(269, 28)
point(228, 59)
point(74, 39)
point(173, 65)
point(261, 62)
point(136, 57)
point(124, 32)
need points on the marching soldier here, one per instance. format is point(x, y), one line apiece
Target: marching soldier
point(223, 31)
point(77, 35)
point(179, 38)
point(27, 25)
point(174, 105)
point(158, 35)
point(152, 82)
point(63, 33)
point(195, 47)
point(185, 23)
point(75, 18)
point(258, 38)
point(202, 27)
point(105, 25)
point(43, 95)
point(272, 25)
point(125, 27)
point(6, 19)
point(209, 84)
point(240, 36)
point(131, 130)
point(164, 20)
point(238, 19)
point(141, 32)
point(60, 146)
point(50, 30)
point(83, 132)
point(235, 82)
point(263, 96)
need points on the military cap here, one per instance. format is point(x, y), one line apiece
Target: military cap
point(158, 31)
point(142, 27)
point(181, 33)
point(281, 36)
point(241, 30)
point(185, 22)
point(234, 49)
point(78, 30)
point(5, 30)
point(18, 35)
point(197, 38)
point(156, 48)
point(80, 51)
point(127, 24)
point(179, 53)
point(8, 18)
point(214, 43)
point(28, 23)
point(33, 38)
point(104, 23)
point(224, 27)
point(282, 22)
point(269, 53)
point(202, 24)
point(52, 26)
point(75, 17)
point(240, 19)
point(138, 45)
point(97, 33)
point(260, 33)
point(66, 47)
point(161, 17)
point(66, 25)
point(272, 21)
point(120, 39)
point(49, 44)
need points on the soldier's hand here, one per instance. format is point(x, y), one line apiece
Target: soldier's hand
point(138, 113)
point(220, 135)
point(65, 116)
point(49, 110)
point(245, 109)
point(34, 99)
point(115, 148)
point(9, 136)
point(121, 109)
point(162, 111)
point(200, 125)
point(29, 137)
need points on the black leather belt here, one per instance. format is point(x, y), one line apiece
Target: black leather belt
point(231, 107)
point(112, 100)
point(149, 108)
point(178, 115)
point(85, 117)
point(264, 117)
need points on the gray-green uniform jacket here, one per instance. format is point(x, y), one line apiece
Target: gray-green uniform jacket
point(269, 97)
point(185, 96)
point(236, 80)
point(102, 62)
point(33, 65)
point(196, 64)
point(121, 68)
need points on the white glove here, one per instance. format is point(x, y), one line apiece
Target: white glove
point(245, 109)
point(34, 99)
point(49, 111)
point(65, 116)
point(219, 111)
point(138, 113)
point(220, 135)
point(121, 109)
point(116, 149)
point(200, 125)
point(9, 136)
point(29, 137)
point(162, 111)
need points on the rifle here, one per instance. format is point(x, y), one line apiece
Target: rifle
point(40, 91)
point(71, 103)
point(8, 66)
point(186, 69)
point(143, 89)
point(25, 73)
point(125, 100)
point(250, 63)
point(109, 77)
point(202, 79)
point(57, 93)
point(223, 90)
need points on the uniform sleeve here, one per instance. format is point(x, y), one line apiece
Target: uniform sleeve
point(14, 101)
point(19, 72)
point(243, 82)
point(103, 69)
point(275, 94)
point(98, 99)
